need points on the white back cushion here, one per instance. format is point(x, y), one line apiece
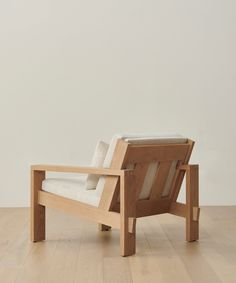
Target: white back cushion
point(97, 161)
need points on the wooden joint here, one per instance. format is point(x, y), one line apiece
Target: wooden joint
point(196, 213)
point(186, 167)
point(103, 227)
point(178, 209)
point(131, 225)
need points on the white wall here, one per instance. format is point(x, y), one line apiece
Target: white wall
point(74, 71)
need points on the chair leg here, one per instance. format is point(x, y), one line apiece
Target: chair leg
point(103, 227)
point(192, 203)
point(127, 213)
point(127, 239)
point(37, 211)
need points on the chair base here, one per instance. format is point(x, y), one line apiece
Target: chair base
point(125, 219)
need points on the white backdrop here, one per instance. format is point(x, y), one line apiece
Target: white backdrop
point(72, 72)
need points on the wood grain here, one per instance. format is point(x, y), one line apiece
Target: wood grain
point(37, 210)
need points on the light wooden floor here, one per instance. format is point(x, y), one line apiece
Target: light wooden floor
point(76, 252)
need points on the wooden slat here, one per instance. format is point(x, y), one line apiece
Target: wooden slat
point(148, 207)
point(151, 153)
point(79, 209)
point(174, 180)
point(160, 179)
point(178, 209)
point(151, 207)
point(111, 187)
point(140, 172)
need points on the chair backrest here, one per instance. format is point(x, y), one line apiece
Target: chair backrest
point(155, 161)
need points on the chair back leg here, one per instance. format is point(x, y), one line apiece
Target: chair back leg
point(192, 203)
point(37, 219)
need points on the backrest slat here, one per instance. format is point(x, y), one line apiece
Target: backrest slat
point(160, 179)
point(170, 179)
point(148, 180)
point(151, 153)
point(140, 173)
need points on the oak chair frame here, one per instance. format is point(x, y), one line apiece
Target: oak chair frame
point(120, 206)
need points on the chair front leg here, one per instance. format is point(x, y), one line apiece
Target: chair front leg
point(192, 203)
point(37, 211)
point(127, 215)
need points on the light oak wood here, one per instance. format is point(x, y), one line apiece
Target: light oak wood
point(120, 205)
point(76, 252)
point(149, 207)
point(111, 188)
point(75, 169)
point(37, 209)
point(127, 211)
point(152, 207)
point(196, 213)
point(151, 153)
point(192, 202)
point(140, 171)
point(87, 211)
point(160, 179)
point(178, 209)
point(179, 176)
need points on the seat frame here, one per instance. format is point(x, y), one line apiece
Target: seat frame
point(120, 205)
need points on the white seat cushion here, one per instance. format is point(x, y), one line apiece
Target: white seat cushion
point(72, 188)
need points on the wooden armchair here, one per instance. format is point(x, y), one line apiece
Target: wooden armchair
point(123, 200)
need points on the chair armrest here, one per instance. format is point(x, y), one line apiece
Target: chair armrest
point(81, 170)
